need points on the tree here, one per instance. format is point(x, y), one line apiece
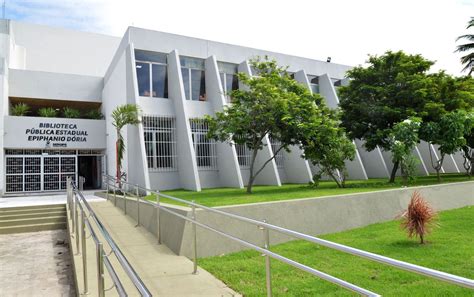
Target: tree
point(392, 88)
point(468, 149)
point(328, 147)
point(468, 48)
point(270, 104)
point(449, 134)
point(122, 116)
point(404, 138)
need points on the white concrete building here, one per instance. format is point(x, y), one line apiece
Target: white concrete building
point(175, 80)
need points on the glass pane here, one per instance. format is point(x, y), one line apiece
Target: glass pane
point(160, 81)
point(198, 85)
point(141, 55)
point(143, 78)
point(223, 82)
point(227, 67)
point(188, 62)
point(185, 73)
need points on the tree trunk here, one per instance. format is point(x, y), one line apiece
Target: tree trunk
point(394, 172)
point(251, 176)
point(117, 162)
point(421, 239)
point(335, 179)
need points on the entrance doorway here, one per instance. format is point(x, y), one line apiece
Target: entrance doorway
point(90, 168)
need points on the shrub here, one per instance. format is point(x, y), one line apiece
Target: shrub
point(419, 219)
point(94, 114)
point(47, 112)
point(20, 109)
point(71, 113)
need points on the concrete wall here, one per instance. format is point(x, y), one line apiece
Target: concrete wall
point(313, 216)
point(63, 51)
point(48, 85)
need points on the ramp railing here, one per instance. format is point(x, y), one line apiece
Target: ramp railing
point(81, 213)
point(125, 190)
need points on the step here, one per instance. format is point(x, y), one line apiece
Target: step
point(32, 221)
point(63, 205)
point(29, 209)
point(32, 228)
point(46, 214)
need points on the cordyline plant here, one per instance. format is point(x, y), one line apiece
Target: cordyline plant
point(419, 219)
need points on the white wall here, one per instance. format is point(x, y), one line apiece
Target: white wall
point(64, 51)
point(48, 85)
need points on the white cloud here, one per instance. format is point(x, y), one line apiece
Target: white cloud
point(343, 29)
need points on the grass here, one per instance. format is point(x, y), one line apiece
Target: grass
point(450, 248)
point(233, 196)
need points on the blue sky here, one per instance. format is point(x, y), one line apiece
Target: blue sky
point(346, 30)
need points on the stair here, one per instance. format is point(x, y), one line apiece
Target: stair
point(32, 218)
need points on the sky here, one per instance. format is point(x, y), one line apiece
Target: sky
point(345, 30)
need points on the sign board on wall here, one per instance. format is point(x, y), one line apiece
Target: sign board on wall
point(35, 132)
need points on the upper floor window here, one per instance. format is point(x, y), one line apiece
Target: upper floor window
point(152, 74)
point(229, 79)
point(336, 82)
point(314, 83)
point(194, 78)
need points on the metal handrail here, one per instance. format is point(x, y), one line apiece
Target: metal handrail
point(138, 283)
point(443, 276)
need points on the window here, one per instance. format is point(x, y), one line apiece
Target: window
point(229, 79)
point(194, 78)
point(336, 82)
point(204, 148)
point(160, 143)
point(152, 74)
point(314, 83)
point(244, 155)
point(279, 157)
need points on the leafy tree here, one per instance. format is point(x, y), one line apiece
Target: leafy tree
point(327, 147)
point(449, 134)
point(392, 88)
point(122, 116)
point(468, 48)
point(404, 138)
point(271, 104)
point(468, 149)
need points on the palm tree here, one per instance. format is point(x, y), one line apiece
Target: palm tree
point(123, 115)
point(468, 48)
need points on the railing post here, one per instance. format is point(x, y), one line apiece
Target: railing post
point(84, 251)
point(107, 193)
point(115, 196)
point(138, 205)
point(124, 192)
point(73, 213)
point(268, 272)
point(194, 239)
point(76, 215)
point(158, 225)
point(100, 269)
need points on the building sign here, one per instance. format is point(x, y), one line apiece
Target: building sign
point(56, 134)
point(31, 132)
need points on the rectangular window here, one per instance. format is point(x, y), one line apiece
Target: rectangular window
point(152, 74)
point(244, 155)
point(229, 79)
point(194, 78)
point(160, 143)
point(279, 157)
point(143, 78)
point(314, 83)
point(204, 147)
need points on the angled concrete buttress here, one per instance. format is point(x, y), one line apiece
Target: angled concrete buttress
point(228, 165)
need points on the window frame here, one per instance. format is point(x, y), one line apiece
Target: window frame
point(150, 73)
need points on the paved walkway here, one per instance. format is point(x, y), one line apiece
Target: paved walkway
point(163, 272)
point(60, 198)
point(35, 264)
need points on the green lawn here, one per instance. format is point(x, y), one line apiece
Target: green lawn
point(450, 248)
point(232, 196)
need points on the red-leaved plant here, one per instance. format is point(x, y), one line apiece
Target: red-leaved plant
point(419, 219)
